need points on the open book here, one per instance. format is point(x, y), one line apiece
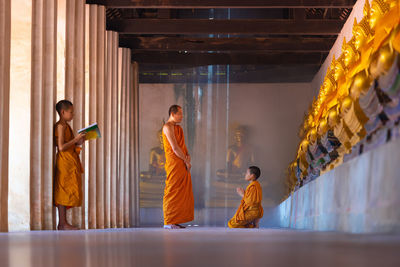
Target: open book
point(92, 131)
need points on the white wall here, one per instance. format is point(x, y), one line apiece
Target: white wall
point(20, 114)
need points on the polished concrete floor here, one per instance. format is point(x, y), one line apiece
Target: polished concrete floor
point(197, 247)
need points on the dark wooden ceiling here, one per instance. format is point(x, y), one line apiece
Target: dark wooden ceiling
point(268, 40)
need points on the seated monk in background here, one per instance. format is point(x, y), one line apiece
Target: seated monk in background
point(250, 210)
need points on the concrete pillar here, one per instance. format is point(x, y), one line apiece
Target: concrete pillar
point(43, 98)
point(134, 152)
point(114, 131)
point(93, 14)
point(5, 32)
point(75, 80)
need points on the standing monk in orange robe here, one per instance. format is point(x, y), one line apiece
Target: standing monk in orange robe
point(68, 172)
point(178, 204)
point(250, 210)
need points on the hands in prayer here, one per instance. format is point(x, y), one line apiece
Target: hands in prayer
point(240, 191)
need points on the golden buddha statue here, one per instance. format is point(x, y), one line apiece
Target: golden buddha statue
point(157, 160)
point(302, 158)
point(239, 157)
point(291, 179)
point(322, 127)
point(152, 181)
point(357, 55)
point(330, 88)
point(339, 75)
point(384, 18)
point(315, 155)
point(340, 130)
point(350, 56)
point(157, 157)
point(303, 129)
point(329, 141)
point(354, 118)
point(362, 39)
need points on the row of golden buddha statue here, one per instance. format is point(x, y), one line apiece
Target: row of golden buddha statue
point(359, 96)
point(239, 156)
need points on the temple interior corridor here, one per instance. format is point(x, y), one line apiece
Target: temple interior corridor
point(198, 247)
point(127, 120)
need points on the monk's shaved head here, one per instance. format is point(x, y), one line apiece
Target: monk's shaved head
point(255, 171)
point(173, 109)
point(63, 105)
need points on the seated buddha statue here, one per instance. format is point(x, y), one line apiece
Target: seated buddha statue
point(340, 130)
point(328, 141)
point(384, 21)
point(354, 118)
point(302, 164)
point(157, 160)
point(362, 40)
point(351, 58)
point(339, 74)
point(152, 181)
point(318, 152)
point(291, 179)
point(327, 94)
point(372, 108)
point(239, 157)
point(313, 155)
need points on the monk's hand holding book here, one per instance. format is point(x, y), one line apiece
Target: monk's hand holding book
point(91, 132)
point(81, 137)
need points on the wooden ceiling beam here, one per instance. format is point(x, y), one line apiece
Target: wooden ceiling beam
point(204, 59)
point(236, 26)
point(190, 4)
point(298, 44)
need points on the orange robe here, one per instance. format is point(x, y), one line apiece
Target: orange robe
point(250, 207)
point(178, 202)
point(68, 173)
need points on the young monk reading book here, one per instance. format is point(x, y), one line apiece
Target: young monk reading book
point(68, 171)
point(250, 210)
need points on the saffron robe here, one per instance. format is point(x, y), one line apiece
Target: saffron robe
point(250, 207)
point(178, 201)
point(68, 173)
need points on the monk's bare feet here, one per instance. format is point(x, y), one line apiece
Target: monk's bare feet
point(171, 226)
point(66, 227)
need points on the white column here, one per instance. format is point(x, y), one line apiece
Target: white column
point(114, 131)
point(43, 98)
point(75, 80)
point(5, 37)
point(93, 14)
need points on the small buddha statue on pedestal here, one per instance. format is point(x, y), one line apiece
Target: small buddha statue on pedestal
point(152, 181)
point(157, 160)
point(239, 157)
